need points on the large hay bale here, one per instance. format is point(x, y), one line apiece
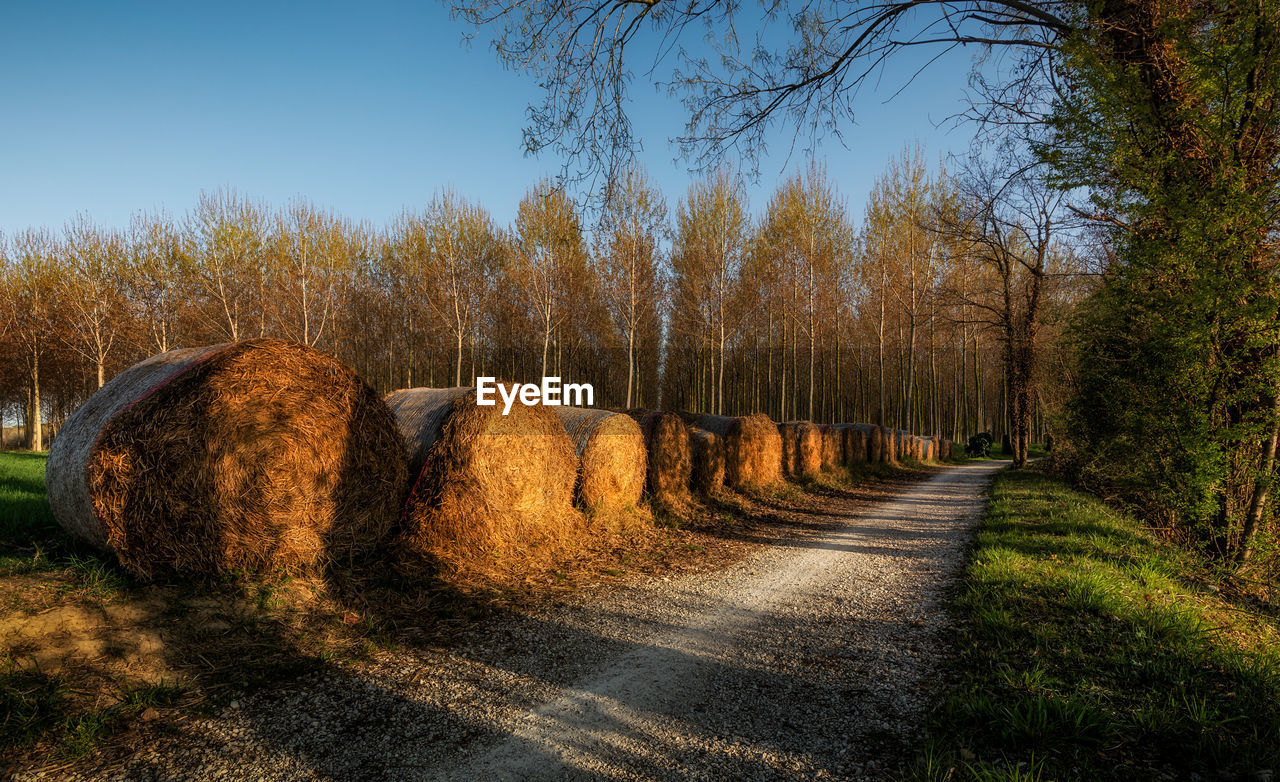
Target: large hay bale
point(787, 433)
point(854, 444)
point(752, 445)
point(889, 446)
point(831, 447)
point(873, 441)
point(666, 438)
point(806, 453)
point(611, 457)
point(708, 460)
point(257, 454)
point(487, 487)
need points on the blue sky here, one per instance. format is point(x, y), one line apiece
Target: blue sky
point(369, 108)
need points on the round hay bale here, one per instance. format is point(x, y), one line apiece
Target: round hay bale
point(872, 440)
point(890, 452)
point(803, 457)
point(708, 460)
point(611, 457)
point(808, 449)
point(257, 454)
point(853, 444)
point(831, 447)
point(486, 486)
point(787, 432)
point(752, 446)
point(666, 438)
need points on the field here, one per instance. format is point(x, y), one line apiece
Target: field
point(1088, 649)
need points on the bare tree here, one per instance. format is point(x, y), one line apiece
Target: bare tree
point(92, 290)
point(157, 277)
point(549, 242)
point(803, 63)
point(1010, 219)
point(29, 282)
point(630, 258)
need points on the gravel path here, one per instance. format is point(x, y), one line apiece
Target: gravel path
point(810, 658)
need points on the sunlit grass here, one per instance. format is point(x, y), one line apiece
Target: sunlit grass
point(1087, 649)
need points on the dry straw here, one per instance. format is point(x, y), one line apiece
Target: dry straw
point(258, 454)
point(611, 457)
point(831, 447)
point(752, 445)
point(872, 440)
point(854, 444)
point(788, 435)
point(803, 457)
point(491, 492)
point(666, 438)
point(708, 461)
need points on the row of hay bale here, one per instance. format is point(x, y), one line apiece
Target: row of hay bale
point(267, 454)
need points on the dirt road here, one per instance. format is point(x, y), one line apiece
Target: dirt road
point(811, 658)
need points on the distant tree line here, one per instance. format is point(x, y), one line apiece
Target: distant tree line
point(801, 313)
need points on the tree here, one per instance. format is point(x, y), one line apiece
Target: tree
point(1175, 129)
point(803, 67)
point(225, 237)
point(809, 235)
point(706, 259)
point(1009, 221)
point(311, 258)
point(549, 253)
point(630, 260)
point(463, 248)
point(92, 291)
point(30, 281)
point(156, 277)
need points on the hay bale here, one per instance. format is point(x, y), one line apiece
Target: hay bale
point(831, 447)
point(752, 445)
point(258, 454)
point(889, 446)
point(611, 457)
point(872, 440)
point(854, 444)
point(666, 438)
point(708, 460)
point(806, 451)
point(787, 433)
point(486, 487)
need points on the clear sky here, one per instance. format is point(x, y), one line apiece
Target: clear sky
point(109, 108)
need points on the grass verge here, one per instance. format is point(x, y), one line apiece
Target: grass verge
point(1088, 649)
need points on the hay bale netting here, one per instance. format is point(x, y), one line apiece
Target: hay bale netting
point(486, 487)
point(831, 447)
point(752, 447)
point(257, 454)
point(708, 460)
point(666, 438)
point(611, 457)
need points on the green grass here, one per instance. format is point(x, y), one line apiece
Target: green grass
point(29, 537)
point(32, 542)
point(1087, 649)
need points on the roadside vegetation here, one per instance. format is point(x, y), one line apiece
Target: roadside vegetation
point(1088, 648)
